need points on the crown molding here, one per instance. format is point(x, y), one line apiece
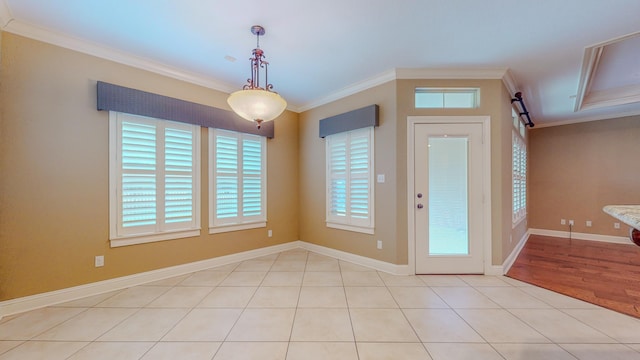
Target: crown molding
point(5, 14)
point(352, 89)
point(37, 33)
point(451, 73)
point(586, 119)
point(509, 82)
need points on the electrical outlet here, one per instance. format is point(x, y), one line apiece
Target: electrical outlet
point(616, 225)
point(269, 233)
point(563, 222)
point(379, 244)
point(99, 262)
point(588, 223)
point(571, 222)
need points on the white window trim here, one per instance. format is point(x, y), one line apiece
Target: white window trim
point(448, 90)
point(116, 239)
point(348, 223)
point(518, 215)
point(215, 227)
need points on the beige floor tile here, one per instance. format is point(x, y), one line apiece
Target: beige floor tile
point(283, 278)
point(254, 265)
point(557, 300)
point(27, 325)
point(252, 350)
point(381, 325)
point(270, 257)
point(392, 351)
point(275, 297)
point(145, 325)
point(135, 297)
point(88, 325)
point(500, 326)
point(289, 265)
point(204, 325)
point(322, 297)
point(295, 254)
point(204, 278)
point(6, 345)
point(322, 265)
point(532, 352)
point(414, 297)
point(483, 280)
point(601, 351)
point(400, 280)
point(228, 297)
point(369, 297)
point(322, 351)
point(181, 297)
point(442, 280)
point(622, 328)
point(451, 351)
point(361, 278)
point(347, 266)
point(226, 268)
point(182, 351)
point(560, 327)
point(38, 350)
point(512, 298)
point(464, 298)
point(322, 325)
point(514, 282)
point(263, 325)
point(89, 301)
point(112, 350)
point(172, 281)
point(244, 278)
point(322, 278)
point(441, 325)
point(319, 257)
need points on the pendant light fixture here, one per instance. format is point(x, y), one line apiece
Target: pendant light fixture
point(254, 102)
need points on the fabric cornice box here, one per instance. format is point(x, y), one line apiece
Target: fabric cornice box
point(352, 120)
point(131, 101)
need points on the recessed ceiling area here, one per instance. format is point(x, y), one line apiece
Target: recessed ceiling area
point(610, 74)
point(321, 51)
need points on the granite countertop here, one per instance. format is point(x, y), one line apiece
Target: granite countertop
point(628, 214)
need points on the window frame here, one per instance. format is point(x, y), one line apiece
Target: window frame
point(519, 171)
point(349, 222)
point(443, 91)
point(217, 225)
point(160, 231)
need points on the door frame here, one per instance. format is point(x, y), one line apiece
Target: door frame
point(485, 121)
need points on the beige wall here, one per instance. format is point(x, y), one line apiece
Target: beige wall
point(396, 102)
point(577, 169)
point(312, 178)
point(54, 206)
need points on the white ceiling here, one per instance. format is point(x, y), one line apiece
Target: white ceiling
point(320, 49)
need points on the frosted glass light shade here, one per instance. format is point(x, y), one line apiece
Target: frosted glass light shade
point(257, 104)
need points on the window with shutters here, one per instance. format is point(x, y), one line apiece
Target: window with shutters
point(519, 162)
point(238, 181)
point(349, 157)
point(154, 173)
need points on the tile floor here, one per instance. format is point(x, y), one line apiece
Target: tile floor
point(301, 305)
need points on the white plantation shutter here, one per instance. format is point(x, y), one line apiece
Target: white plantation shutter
point(154, 179)
point(519, 177)
point(238, 174)
point(350, 180)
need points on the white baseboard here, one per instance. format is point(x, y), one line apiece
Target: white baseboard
point(508, 262)
point(32, 302)
point(19, 305)
point(357, 259)
point(583, 236)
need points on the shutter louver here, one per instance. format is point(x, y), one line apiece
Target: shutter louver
point(226, 177)
point(138, 175)
point(178, 176)
point(251, 178)
point(359, 187)
point(338, 171)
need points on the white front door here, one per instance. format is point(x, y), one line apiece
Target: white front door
point(448, 186)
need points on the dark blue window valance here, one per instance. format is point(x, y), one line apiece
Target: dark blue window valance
point(352, 120)
point(122, 99)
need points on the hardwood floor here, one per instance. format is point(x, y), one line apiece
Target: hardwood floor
point(601, 273)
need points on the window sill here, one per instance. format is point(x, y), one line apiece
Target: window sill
point(351, 228)
point(236, 227)
point(515, 224)
point(143, 239)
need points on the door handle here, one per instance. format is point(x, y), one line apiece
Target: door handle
point(420, 206)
